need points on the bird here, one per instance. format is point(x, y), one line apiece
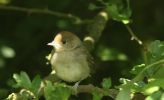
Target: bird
point(70, 59)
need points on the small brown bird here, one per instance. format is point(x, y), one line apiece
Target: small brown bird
point(69, 58)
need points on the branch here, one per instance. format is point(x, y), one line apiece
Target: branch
point(134, 37)
point(95, 29)
point(42, 11)
point(90, 88)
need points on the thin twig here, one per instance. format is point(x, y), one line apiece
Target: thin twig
point(134, 37)
point(41, 11)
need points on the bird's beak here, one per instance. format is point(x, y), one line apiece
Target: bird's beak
point(51, 43)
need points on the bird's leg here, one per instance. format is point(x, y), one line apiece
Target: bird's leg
point(76, 86)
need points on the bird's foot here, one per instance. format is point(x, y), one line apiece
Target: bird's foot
point(76, 85)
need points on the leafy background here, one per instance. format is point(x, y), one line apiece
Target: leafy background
point(24, 35)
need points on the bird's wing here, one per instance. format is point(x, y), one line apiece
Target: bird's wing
point(90, 59)
point(49, 56)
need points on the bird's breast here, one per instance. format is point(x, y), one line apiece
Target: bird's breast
point(70, 66)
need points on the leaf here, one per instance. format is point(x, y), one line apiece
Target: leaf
point(4, 2)
point(156, 48)
point(155, 96)
point(162, 96)
point(97, 96)
point(119, 11)
point(22, 80)
point(22, 95)
point(155, 51)
point(159, 73)
point(36, 82)
point(57, 91)
point(153, 86)
point(124, 94)
point(7, 52)
point(124, 80)
point(106, 84)
point(48, 91)
point(136, 69)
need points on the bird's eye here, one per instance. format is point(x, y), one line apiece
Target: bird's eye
point(64, 41)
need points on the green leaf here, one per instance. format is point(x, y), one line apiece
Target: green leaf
point(137, 87)
point(136, 69)
point(22, 80)
point(156, 48)
point(4, 2)
point(7, 52)
point(119, 11)
point(124, 80)
point(106, 84)
point(22, 95)
point(48, 91)
point(153, 86)
point(57, 91)
point(124, 94)
point(36, 82)
point(159, 72)
point(155, 51)
point(17, 96)
point(30, 89)
point(155, 96)
point(97, 96)
point(162, 96)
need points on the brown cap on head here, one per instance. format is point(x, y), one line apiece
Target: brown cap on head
point(65, 40)
point(64, 36)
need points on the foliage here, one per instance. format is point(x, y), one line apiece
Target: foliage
point(56, 91)
point(153, 87)
point(30, 89)
point(116, 9)
point(27, 26)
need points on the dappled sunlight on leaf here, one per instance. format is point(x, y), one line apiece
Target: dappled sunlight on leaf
point(126, 21)
point(151, 89)
point(155, 96)
point(136, 69)
point(4, 2)
point(107, 54)
point(7, 52)
point(122, 57)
